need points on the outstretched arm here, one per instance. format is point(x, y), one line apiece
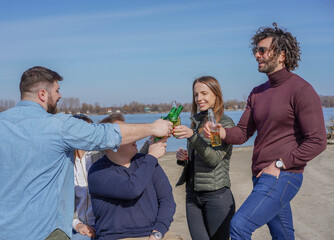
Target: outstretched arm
point(133, 132)
point(238, 134)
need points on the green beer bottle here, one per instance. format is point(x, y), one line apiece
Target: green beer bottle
point(175, 117)
point(172, 116)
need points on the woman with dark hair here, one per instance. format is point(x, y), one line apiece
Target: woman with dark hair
point(83, 219)
point(209, 201)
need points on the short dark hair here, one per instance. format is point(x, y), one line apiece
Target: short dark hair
point(35, 75)
point(83, 117)
point(113, 118)
point(281, 41)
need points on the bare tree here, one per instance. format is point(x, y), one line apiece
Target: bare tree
point(84, 108)
point(69, 105)
point(6, 104)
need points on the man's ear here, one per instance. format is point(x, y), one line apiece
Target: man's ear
point(42, 95)
point(281, 57)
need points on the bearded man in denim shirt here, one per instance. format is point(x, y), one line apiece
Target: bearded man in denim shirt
point(36, 158)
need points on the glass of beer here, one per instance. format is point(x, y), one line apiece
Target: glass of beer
point(215, 135)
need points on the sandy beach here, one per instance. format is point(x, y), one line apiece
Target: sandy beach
point(313, 207)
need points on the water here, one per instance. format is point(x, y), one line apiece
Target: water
point(328, 115)
point(173, 144)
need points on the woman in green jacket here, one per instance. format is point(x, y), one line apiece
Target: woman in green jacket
point(209, 201)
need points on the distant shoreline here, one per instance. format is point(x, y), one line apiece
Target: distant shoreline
point(154, 112)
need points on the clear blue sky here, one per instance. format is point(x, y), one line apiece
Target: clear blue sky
point(115, 52)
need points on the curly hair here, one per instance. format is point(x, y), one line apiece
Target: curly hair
point(281, 41)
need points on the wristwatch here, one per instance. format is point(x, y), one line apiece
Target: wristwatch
point(279, 164)
point(157, 235)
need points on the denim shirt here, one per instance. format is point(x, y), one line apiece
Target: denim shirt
point(36, 168)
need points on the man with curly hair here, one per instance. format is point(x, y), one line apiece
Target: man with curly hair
point(287, 115)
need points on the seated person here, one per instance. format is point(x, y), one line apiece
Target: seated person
point(119, 118)
point(131, 194)
point(113, 118)
point(83, 219)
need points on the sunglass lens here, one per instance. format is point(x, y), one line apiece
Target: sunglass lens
point(261, 50)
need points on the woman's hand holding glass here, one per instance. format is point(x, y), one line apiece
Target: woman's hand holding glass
point(181, 154)
point(182, 131)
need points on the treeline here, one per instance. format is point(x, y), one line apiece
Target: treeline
point(234, 105)
point(6, 104)
point(73, 105)
point(327, 101)
point(136, 107)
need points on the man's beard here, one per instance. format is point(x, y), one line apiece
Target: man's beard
point(51, 107)
point(270, 65)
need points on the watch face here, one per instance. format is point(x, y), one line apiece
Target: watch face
point(279, 164)
point(157, 235)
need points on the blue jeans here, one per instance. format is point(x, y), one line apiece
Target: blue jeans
point(269, 203)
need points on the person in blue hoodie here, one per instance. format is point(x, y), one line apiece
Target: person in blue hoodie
point(131, 195)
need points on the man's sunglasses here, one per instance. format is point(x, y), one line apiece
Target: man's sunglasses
point(260, 50)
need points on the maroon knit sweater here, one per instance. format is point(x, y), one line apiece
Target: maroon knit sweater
point(287, 115)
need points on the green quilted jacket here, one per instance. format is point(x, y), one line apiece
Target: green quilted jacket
point(211, 164)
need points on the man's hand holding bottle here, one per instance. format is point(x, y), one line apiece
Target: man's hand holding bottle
point(161, 128)
point(172, 117)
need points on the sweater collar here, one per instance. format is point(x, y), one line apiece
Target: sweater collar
point(278, 78)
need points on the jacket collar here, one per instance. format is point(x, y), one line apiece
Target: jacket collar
point(199, 117)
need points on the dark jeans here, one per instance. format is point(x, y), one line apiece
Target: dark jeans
point(209, 215)
point(269, 203)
